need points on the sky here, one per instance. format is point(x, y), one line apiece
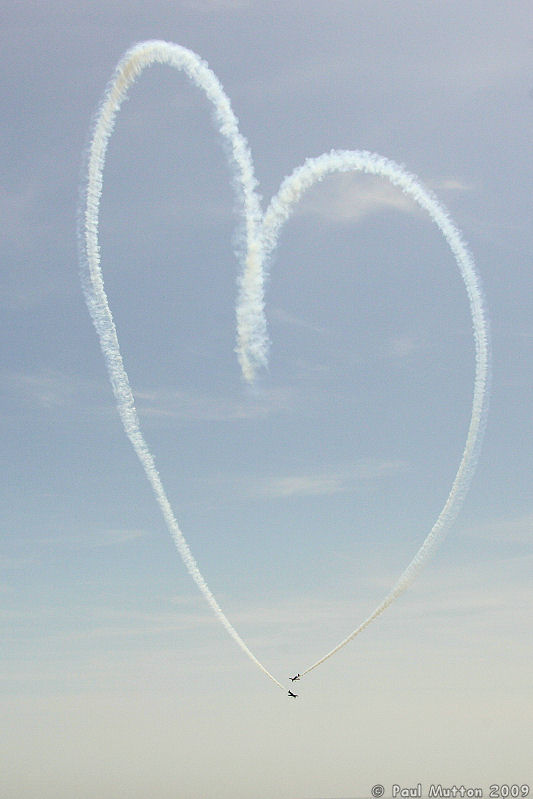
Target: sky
point(304, 498)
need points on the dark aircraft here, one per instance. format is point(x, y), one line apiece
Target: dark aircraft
point(294, 696)
point(292, 679)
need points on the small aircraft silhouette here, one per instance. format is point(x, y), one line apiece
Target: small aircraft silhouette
point(292, 679)
point(294, 696)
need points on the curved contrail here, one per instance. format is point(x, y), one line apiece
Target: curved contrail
point(261, 233)
point(279, 210)
point(130, 66)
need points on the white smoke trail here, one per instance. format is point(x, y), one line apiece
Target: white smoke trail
point(261, 236)
point(131, 65)
point(279, 210)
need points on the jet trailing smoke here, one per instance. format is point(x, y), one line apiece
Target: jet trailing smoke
point(260, 236)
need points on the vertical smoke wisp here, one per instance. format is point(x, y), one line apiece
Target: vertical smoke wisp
point(131, 65)
point(279, 210)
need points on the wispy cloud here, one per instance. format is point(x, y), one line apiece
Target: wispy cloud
point(291, 320)
point(47, 389)
point(326, 482)
point(160, 403)
point(52, 389)
point(110, 623)
point(507, 530)
point(450, 184)
point(403, 346)
point(303, 611)
point(95, 538)
point(347, 198)
point(479, 591)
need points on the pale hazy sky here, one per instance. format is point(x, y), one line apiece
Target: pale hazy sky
point(304, 500)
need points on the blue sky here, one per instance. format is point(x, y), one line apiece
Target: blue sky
point(304, 499)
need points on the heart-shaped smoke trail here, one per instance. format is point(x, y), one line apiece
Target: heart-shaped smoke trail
point(261, 233)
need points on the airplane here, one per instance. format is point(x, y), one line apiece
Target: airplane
point(292, 679)
point(294, 696)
